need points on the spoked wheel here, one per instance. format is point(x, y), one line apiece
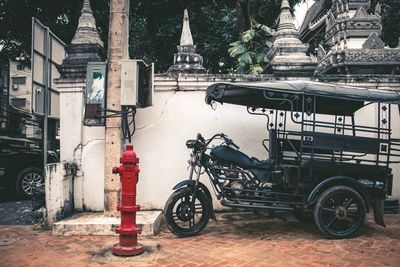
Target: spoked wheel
point(339, 212)
point(181, 217)
point(27, 180)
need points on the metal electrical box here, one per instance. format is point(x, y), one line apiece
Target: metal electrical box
point(95, 94)
point(137, 83)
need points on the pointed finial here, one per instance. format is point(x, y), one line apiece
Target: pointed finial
point(86, 7)
point(186, 36)
point(285, 4)
point(86, 33)
point(285, 17)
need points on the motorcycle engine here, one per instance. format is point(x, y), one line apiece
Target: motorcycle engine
point(238, 186)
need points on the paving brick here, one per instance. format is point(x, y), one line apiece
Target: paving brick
point(249, 240)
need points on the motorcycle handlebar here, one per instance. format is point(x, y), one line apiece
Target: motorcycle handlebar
point(228, 141)
point(233, 144)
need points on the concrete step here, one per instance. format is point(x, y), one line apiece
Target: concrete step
point(95, 223)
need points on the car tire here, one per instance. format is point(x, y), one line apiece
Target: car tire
point(27, 179)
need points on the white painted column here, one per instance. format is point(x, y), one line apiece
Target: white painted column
point(71, 115)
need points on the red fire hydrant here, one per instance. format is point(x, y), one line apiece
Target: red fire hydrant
point(128, 230)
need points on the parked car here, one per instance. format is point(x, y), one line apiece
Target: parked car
point(21, 165)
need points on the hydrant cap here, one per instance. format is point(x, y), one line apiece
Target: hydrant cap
point(129, 156)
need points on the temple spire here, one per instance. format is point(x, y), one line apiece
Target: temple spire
point(186, 60)
point(86, 32)
point(85, 47)
point(186, 36)
point(288, 54)
point(285, 17)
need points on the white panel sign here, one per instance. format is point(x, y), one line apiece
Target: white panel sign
point(48, 51)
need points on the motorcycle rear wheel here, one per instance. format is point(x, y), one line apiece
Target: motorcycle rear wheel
point(181, 218)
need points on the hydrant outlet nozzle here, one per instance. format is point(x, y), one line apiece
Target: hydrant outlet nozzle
point(115, 170)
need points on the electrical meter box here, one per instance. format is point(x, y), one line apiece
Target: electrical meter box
point(95, 94)
point(137, 83)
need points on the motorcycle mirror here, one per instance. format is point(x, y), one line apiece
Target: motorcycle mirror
point(200, 137)
point(213, 105)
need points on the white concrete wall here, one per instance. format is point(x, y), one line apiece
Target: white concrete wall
point(82, 145)
point(59, 192)
point(161, 133)
point(163, 129)
point(396, 166)
point(93, 156)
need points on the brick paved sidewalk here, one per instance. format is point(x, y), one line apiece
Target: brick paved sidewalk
point(236, 240)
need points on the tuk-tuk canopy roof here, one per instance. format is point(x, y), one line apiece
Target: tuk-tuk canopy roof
point(331, 98)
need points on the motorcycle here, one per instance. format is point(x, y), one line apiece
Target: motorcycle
point(238, 180)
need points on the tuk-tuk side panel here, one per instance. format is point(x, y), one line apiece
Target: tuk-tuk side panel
point(323, 169)
point(337, 142)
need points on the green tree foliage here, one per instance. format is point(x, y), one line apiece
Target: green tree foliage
point(250, 52)
point(60, 16)
point(156, 26)
point(254, 43)
point(390, 20)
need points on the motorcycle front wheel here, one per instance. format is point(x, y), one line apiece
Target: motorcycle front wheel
point(181, 217)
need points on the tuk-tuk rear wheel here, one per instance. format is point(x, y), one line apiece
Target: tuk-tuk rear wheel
point(339, 212)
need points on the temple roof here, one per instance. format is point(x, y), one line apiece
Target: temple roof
point(86, 33)
point(313, 13)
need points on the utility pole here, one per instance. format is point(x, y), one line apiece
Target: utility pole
point(117, 50)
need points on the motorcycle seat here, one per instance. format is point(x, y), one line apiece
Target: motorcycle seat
point(261, 164)
point(231, 155)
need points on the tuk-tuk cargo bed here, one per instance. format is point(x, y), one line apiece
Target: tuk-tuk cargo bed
point(325, 168)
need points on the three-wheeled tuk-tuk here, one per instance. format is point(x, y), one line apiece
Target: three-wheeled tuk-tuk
point(329, 147)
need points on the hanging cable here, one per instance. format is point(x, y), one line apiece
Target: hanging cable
point(127, 114)
point(128, 123)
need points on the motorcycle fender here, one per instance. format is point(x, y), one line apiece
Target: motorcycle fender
point(378, 206)
point(339, 180)
point(185, 183)
point(200, 186)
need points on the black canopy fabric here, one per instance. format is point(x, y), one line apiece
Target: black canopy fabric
point(331, 98)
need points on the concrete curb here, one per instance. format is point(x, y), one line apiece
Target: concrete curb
point(98, 224)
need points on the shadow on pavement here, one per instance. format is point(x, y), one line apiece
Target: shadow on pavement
point(13, 210)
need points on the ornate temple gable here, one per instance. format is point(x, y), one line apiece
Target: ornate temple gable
point(373, 42)
point(378, 9)
point(321, 53)
point(348, 61)
point(330, 20)
point(350, 19)
point(361, 12)
point(364, 57)
point(353, 36)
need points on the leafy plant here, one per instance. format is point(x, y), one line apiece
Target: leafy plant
point(250, 51)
